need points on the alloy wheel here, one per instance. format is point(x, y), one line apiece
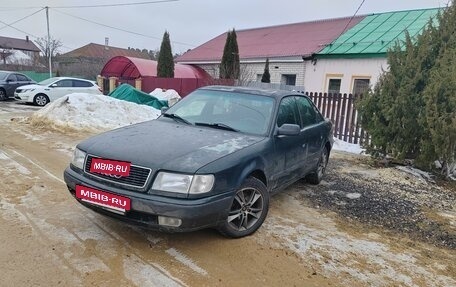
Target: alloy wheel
point(246, 209)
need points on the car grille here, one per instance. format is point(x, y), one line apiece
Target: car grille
point(138, 175)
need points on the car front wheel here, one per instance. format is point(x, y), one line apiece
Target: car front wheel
point(248, 210)
point(41, 100)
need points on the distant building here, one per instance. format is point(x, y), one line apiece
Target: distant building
point(18, 51)
point(331, 55)
point(87, 61)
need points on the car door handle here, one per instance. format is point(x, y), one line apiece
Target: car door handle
point(304, 145)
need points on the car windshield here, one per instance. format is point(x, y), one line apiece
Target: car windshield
point(233, 111)
point(48, 81)
point(3, 75)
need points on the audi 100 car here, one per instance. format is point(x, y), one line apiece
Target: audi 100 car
point(212, 160)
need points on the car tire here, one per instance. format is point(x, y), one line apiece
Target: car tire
point(3, 96)
point(41, 100)
point(248, 210)
point(316, 176)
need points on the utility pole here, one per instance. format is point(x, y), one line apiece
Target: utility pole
point(49, 42)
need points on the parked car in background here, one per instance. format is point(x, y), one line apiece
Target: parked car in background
point(211, 160)
point(53, 88)
point(9, 81)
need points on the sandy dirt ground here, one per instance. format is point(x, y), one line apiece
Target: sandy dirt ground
point(363, 226)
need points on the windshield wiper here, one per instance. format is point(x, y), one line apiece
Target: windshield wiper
point(217, 126)
point(177, 118)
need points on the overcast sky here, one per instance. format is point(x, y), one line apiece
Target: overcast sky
point(189, 22)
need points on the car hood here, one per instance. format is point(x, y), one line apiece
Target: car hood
point(32, 86)
point(164, 144)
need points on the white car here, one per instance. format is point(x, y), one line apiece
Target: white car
point(53, 88)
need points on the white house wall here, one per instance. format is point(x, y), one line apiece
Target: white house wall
point(318, 73)
point(251, 70)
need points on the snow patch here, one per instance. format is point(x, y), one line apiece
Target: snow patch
point(143, 274)
point(12, 164)
point(421, 175)
point(340, 145)
point(166, 95)
point(186, 261)
point(94, 112)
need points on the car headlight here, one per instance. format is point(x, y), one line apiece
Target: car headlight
point(27, 90)
point(78, 158)
point(183, 183)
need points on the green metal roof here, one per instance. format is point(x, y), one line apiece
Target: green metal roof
point(376, 33)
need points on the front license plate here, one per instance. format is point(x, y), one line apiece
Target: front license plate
point(110, 167)
point(103, 199)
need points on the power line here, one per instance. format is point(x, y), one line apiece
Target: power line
point(99, 5)
point(351, 19)
point(123, 30)
point(116, 5)
point(23, 18)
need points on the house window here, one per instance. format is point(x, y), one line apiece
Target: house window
point(360, 86)
point(334, 86)
point(289, 79)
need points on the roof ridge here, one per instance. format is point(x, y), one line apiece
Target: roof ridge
point(410, 10)
point(304, 22)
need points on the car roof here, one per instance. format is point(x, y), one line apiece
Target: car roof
point(11, 72)
point(273, 93)
point(70, 78)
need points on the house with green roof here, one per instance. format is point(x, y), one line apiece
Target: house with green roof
point(343, 55)
point(354, 61)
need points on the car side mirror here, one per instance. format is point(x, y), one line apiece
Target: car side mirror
point(163, 110)
point(9, 80)
point(289, 130)
point(53, 85)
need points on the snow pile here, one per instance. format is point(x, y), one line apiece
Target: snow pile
point(92, 112)
point(167, 95)
point(347, 147)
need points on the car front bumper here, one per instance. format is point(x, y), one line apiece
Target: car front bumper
point(24, 97)
point(195, 214)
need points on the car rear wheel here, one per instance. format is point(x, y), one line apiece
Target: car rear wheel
point(3, 95)
point(41, 100)
point(248, 210)
point(316, 176)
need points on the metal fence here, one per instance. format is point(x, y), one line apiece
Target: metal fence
point(341, 109)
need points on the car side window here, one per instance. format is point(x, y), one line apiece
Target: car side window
point(288, 112)
point(307, 111)
point(22, 78)
point(82, 84)
point(12, 78)
point(64, 84)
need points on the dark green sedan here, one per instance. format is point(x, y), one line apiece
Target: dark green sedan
point(212, 160)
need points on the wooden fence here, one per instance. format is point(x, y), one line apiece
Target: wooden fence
point(340, 108)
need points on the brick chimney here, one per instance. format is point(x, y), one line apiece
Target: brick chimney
point(26, 38)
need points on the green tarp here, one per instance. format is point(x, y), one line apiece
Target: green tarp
point(128, 93)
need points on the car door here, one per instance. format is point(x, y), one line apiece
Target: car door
point(312, 131)
point(60, 88)
point(289, 150)
point(11, 85)
point(22, 80)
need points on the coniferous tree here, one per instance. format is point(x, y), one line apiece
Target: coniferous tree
point(230, 65)
point(411, 112)
point(235, 53)
point(266, 78)
point(165, 66)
